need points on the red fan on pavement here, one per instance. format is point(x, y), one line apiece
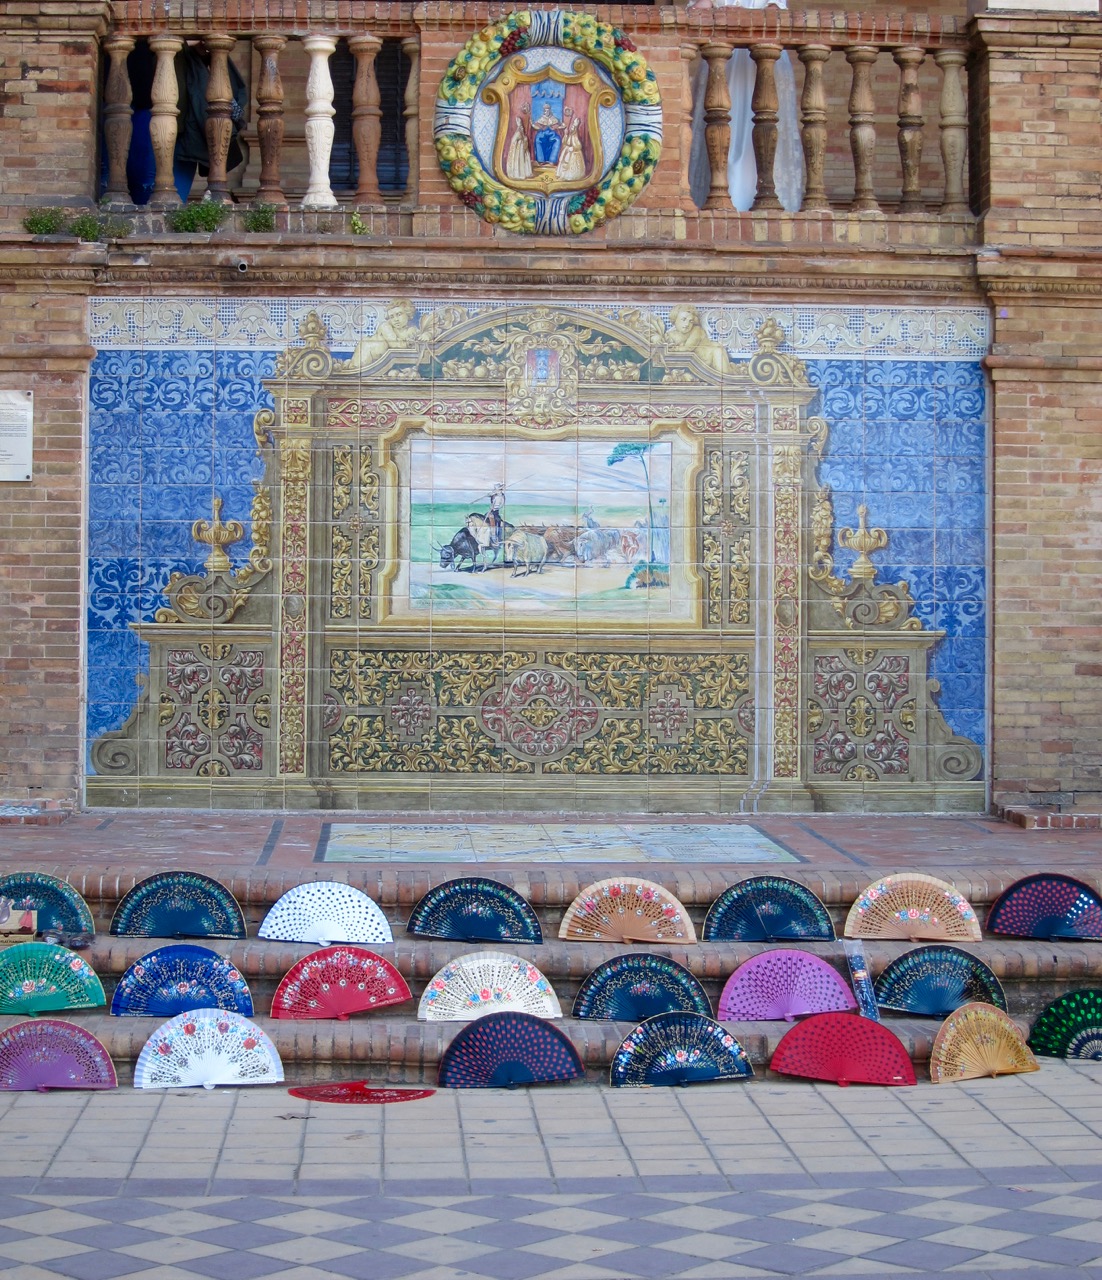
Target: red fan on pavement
point(336, 982)
point(358, 1091)
point(844, 1048)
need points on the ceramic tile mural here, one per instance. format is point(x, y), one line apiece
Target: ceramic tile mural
point(565, 558)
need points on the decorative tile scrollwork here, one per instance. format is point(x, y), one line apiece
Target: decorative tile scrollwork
point(215, 709)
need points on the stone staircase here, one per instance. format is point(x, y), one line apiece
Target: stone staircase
point(392, 1046)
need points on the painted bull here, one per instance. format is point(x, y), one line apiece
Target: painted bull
point(462, 547)
point(526, 549)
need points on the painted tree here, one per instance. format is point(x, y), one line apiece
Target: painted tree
point(635, 450)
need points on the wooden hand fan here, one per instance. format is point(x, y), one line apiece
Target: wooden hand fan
point(626, 910)
point(487, 982)
point(920, 908)
point(979, 1040)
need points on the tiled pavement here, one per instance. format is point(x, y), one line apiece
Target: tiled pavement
point(993, 1178)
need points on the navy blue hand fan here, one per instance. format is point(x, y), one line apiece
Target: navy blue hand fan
point(58, 904)
point(1070, 1027)
point(933, 981)
point(1047, 906)
point(503, 1050)
point(767, 909)
point(178, 904)
point(632, 987)
point(474, 909)
point(678, 1048)
point(177, 978)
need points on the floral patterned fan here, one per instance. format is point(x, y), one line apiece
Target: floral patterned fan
point(979, 1040)
point(46, 1053)
point(58, 904)
point(207, 1047)
point(487, 982)
point(933, 981)
point(179, 977)
point(638, 985)
point(1070, 1027)
point(918, 907)
point(178, 904)
point(678, 1048)
point(841, 1047)
point(474, 909)
point(326, 911)
point(507, 1049)
point(358, 1091)
point(626, 910)
point(783, 984)
point(38, 977)
point(336, 982)
point(767, 909)
point(1047, 906)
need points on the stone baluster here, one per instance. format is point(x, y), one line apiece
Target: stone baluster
point(954, 128)
point(909, 59)
point(690, 59)
point(862, 125)
point(717, 123)
point(319, 122)
point(117, 119)
point(813, 118)
point(765, 105)
point(411, 47)
point(366, 117)
point(269, 123)
point(163, 121)
point(219, 115)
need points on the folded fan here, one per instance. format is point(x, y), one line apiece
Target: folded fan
point(173, 979)
point(843, 1048)
point(917, 907)
point(337, 982)
point(626, 910)
point(507, 1049)
point(178, 904)
point(933, 981)
point(1047, 906)
point(678, 1049)
point(1070, 1027)
point(979, 1040)
point(485, 982)
point(326, 911)
point(58, 904)
point(783, 984)
point(767, 909)
point(638, 985)
point(475, 909)
point(207, 1047)
point(46, 1053)
point(39, 977)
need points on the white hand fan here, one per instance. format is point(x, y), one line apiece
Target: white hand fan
point(326, 911)
point(207, 1047)
point(487, 982)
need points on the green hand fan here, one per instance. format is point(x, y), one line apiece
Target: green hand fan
point(38, 977)
point(1070, 1027)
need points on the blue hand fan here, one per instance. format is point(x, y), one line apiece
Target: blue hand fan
point(174, 979)
point(58, 904)
point(767, 909)
point(933, 981)
point(503, 1050)
point(474, 909)
point(632, 987)
point(678, 1048)
point(1047, 906)
point(178, 904)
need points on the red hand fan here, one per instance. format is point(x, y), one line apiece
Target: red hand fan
point(336, 982)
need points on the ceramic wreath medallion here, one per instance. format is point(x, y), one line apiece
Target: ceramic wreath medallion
point(548, 123)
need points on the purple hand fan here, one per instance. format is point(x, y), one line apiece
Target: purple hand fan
point(46, 1053)
point(783, 985)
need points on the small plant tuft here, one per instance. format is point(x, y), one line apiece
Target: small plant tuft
point(357, 224)
point(44, 222)
point(260, 217)
point(207, 215)
point(115, 228)
point(86, 226)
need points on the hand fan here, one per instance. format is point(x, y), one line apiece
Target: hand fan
point(177, 978)
point(767, 909)
point(933, 981)
point(858, 967)
point(326, 911)
point(1047, 906)
point(978, 1040)
point(632, 987)
point(917, 907)
point(38, 977)
point(178, 904)
point(58, 904)
point(207, 1047)
point(352, 1091)
point(486, 982)
point(46, 1053)
point(626, 910)
point(678, 1048)
point(337, 982)
point(783, 984)
point(840, 1047)
point(505, 1049)
point(1070, 1027)
point(475, 909)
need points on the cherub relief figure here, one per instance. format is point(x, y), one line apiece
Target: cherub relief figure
point(396, 332)
point(687, 334)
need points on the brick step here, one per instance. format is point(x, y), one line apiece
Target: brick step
point(393, 1048)
point(1032, 973)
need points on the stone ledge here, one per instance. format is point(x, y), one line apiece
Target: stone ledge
point(1036, 817)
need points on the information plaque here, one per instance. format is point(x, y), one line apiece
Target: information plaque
point(16, 434)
